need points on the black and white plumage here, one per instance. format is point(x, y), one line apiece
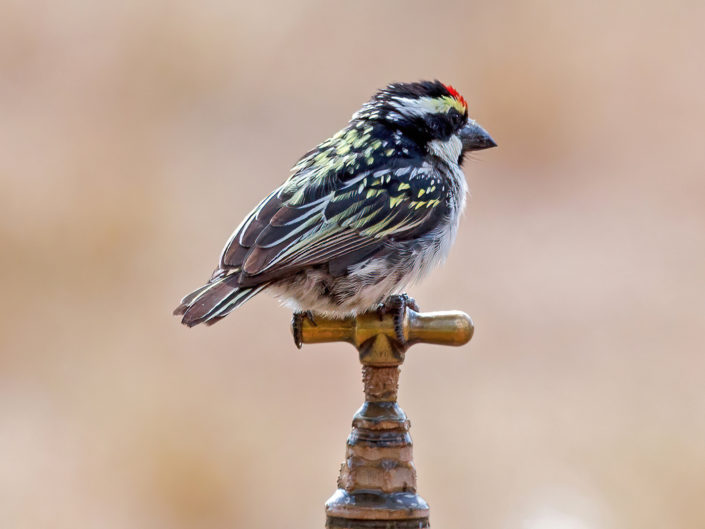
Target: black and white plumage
point(363, 215)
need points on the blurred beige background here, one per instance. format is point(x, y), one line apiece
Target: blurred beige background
point(135, 136)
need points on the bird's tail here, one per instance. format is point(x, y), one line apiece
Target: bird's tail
point(214, 301)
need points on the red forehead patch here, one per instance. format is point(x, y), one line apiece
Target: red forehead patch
point(456, 95)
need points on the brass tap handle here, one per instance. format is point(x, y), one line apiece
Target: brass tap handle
point(442, 328)
point(376, 340)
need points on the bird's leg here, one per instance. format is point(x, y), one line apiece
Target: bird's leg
point(410, 302)
point(297, 322)
point(397, 305)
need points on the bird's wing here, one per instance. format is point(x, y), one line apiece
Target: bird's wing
point(313, 224)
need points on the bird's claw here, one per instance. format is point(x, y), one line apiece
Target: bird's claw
point(397, 305)
point(297, 324)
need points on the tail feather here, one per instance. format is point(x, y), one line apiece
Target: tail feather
point(188, 299)
point(212, 302)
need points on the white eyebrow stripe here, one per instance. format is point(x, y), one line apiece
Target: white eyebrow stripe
point(420, 106)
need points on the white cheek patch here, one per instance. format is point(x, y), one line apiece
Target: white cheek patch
point(448, 151)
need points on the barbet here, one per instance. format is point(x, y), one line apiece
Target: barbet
point(364, 214)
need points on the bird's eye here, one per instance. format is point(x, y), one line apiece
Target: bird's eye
point(456, 119)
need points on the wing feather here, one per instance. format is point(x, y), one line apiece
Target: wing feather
point(285, 233)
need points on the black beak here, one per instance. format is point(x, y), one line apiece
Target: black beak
point(475, 138)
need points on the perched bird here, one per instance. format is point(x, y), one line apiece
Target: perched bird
point(364, 214)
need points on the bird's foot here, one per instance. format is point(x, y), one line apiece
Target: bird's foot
point(397, 305)
point(297, 324)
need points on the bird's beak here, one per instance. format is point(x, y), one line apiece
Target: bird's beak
point(475, 138)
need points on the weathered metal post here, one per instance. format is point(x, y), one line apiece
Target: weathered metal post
point(377, 482)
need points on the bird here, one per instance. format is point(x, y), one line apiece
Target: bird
point(362, 216)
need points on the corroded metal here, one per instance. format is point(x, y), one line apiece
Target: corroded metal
point(377, 481)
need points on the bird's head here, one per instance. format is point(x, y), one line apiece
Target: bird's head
point(431, 114)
